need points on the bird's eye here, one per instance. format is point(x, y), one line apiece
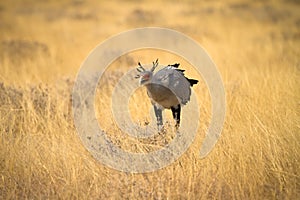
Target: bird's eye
point(146, 76)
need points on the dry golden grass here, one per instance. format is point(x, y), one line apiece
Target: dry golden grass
point(255, 46)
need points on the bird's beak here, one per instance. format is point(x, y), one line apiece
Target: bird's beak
point(142, 81)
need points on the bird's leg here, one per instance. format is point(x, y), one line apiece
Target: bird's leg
point(158, 114)
point(176, 114)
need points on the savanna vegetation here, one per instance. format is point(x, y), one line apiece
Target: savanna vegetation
point(256, 46)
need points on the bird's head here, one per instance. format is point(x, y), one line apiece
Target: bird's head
point(145, 75)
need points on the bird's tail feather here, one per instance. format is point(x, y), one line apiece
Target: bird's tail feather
point(192, 81)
